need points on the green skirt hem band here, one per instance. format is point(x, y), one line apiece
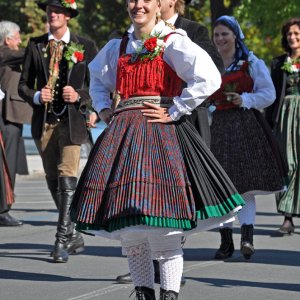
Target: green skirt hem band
point(184, 224)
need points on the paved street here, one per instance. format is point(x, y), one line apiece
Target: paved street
point(27, 272)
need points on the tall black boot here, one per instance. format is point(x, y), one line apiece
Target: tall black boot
point(144, 293)
point(227, 247)
point(66, 188)
point(53, 188)
point(168, 295)
point(247, 247)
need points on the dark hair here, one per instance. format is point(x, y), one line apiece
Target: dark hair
point(284, 30)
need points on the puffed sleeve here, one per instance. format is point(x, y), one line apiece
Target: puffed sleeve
point(264, 93)
point(103, 70)
point(194, 66)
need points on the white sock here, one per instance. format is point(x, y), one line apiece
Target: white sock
point(141, 267)
point(247, 213)
point(170, 273)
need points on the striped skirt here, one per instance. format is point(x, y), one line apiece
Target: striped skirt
point(158, 175)
point(288, 133)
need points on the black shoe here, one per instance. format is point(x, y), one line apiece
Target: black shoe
point(247, 248)
point(227, 247)
point(287, 227)
point(144, 293)
point(168, 295)
point(288, 230)
point(75, 244)
point(60, 254)
point(7, 220)
point(124, 279)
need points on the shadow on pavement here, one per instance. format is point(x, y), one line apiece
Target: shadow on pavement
point(229, 283)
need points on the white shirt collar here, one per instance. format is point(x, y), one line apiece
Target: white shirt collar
point(173, 19)
point(65, 38)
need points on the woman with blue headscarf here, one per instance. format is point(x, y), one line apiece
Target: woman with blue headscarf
point(241, 141)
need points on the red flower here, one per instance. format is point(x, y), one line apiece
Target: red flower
point(150, 44)
point(70, 1)
point(297, 66)
point(79, 56)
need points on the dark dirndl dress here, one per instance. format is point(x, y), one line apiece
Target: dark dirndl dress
point(242, 141)
point(151, 174)
point(6, 190)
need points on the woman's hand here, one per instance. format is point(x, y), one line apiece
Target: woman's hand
point(156, 113)
point(106, 115)
point(235, 98)
point(91, 120)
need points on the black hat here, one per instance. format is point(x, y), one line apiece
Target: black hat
point(70, 6)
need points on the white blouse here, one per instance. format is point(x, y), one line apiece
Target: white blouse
point(263, 93)
point(191, 63)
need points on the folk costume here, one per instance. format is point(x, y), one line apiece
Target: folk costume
point(283, 116)
point(241, 139)
point(59, 128)
point(148, 184)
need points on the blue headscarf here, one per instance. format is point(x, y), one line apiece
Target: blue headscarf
point(229, 21)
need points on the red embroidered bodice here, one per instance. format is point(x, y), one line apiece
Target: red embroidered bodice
point(146, 78)
point(236, 81)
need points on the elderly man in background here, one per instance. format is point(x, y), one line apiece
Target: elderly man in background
point(14, 111)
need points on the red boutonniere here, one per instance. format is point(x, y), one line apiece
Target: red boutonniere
point(74, 54)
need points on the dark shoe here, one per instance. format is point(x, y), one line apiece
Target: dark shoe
point(60, 254)
point(287, 227)
point(286, 230)
point(247, 248)
point(227, 247)
point(75, 244)
point(144, 293)
point(7, 220)
point(168, 295)
point(124, 279)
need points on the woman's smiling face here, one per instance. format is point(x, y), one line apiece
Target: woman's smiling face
point(293, 37)
point(224, 38)
point(143, 12)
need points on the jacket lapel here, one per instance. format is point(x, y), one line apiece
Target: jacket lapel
point(44, 56)
point(73, 39)
point(76, 74)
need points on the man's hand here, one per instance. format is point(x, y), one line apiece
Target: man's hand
point(46, 95)
point(69, 94)
point(91, 120)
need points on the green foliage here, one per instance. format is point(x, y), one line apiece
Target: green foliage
point(101, 20)
point(261, 22)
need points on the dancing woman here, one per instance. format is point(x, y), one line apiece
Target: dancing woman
point(150, 178)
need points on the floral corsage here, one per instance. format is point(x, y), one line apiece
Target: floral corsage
point(291, 65)
point(152, 47)
point(69, 4)
point(74, 54)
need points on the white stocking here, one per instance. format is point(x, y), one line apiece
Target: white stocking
point(141, 265)
point(170, 273)
point(247, 213)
